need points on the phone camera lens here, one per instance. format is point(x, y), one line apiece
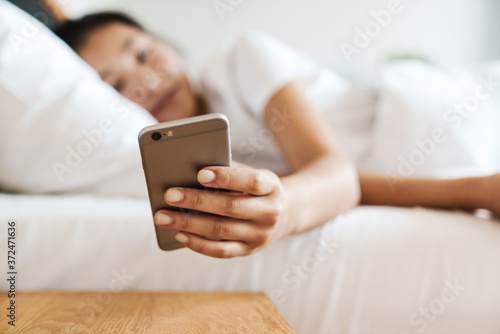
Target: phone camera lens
point(156, 136)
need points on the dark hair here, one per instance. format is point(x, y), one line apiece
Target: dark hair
point(74, 32)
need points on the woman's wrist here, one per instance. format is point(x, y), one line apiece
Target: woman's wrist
point(471, 193)
point(319, 193)
point(291, 213)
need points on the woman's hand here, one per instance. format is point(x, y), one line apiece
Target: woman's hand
point(251, 217)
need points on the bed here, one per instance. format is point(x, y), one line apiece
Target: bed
point(371, 270)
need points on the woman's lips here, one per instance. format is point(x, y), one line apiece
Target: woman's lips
point(165, 101)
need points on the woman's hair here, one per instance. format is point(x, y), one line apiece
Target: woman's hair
point(74, 32)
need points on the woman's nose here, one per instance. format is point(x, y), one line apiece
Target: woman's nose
point(151, 79)
point(142, 86)
point(137, 92)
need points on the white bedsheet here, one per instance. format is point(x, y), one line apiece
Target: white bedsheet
point(371, 270)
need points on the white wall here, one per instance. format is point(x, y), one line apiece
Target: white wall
point(446, 31)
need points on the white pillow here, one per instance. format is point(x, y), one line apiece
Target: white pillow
point(433, 123)
point(61, 127)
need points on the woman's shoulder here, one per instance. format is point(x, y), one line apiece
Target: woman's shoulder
point(238, 49)
point(253, 65)
point(251, 43)
point(253, 51)
point(250, 38)
point(261, 46)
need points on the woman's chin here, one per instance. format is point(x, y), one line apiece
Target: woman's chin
point(171, 114)
point(181, 108)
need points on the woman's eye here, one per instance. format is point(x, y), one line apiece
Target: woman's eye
point(143, 56)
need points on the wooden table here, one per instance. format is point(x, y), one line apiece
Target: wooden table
point(142, 312)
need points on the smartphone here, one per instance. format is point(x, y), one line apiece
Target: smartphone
point(172, 154)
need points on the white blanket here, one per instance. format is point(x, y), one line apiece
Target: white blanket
point(371, 270)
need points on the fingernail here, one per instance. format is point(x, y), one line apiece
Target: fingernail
point(181, 237)
point(163, 219)
point(205, 176)
point(174, 195)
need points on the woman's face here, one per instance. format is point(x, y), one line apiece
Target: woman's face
point(142, 68)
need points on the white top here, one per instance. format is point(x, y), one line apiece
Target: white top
point(240, 80)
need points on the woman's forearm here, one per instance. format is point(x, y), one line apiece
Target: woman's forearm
point(322, 182)
point(320, 191)
point(458, 193)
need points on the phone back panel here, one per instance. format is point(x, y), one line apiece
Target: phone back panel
point(185, 147)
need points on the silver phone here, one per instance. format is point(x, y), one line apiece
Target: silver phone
point(172, 154)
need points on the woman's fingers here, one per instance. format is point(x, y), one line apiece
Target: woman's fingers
point(207, 225)
point(253, 181)
point(244, 220)
point(218, 249)
point(235, 205)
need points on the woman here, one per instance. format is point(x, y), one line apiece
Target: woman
point(258, 82)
